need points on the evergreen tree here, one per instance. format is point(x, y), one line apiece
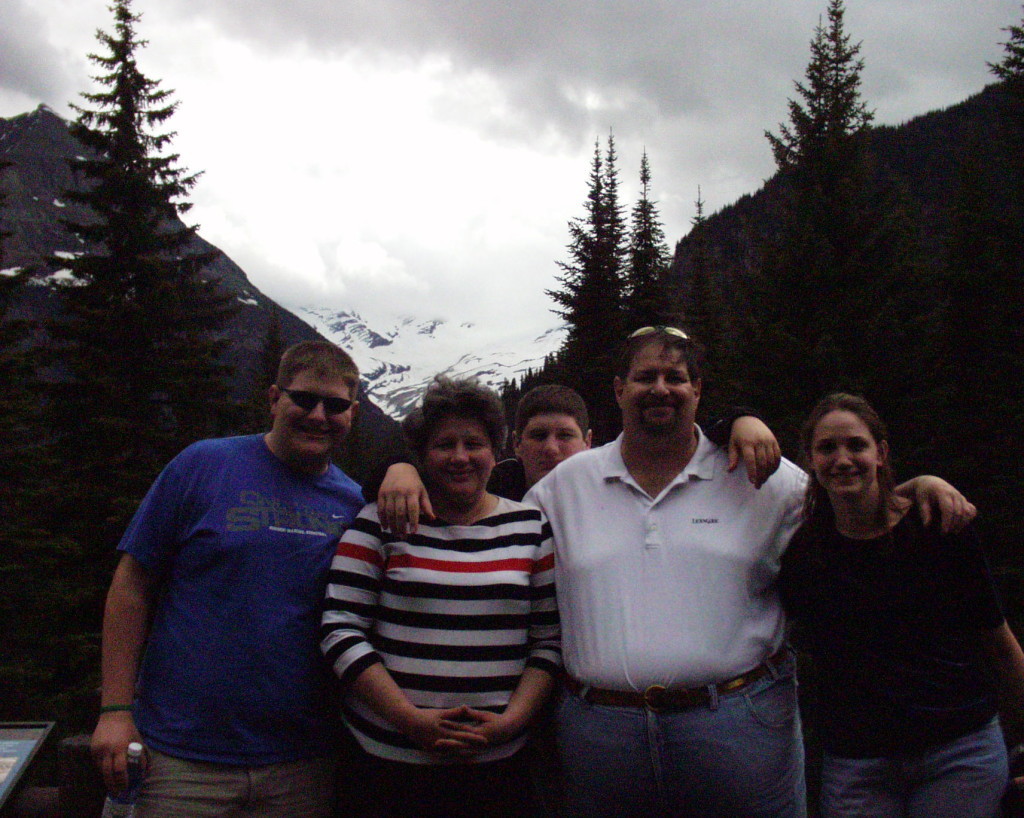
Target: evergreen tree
point(510, 393)
point(1011, 68)
point(11, 280)
point(39, 661)
point(614, 225)
point(822, 127)
point(591, 297)
point(138, 333)
point(838, 302)
point(1011, 71)
point(983, 347)
point(646, 291)
point(4, 232)
point(705, 316)
point(137, 344)
point(255, 417)
point(983, 326)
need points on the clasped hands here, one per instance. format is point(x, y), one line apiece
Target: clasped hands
point(460, 732)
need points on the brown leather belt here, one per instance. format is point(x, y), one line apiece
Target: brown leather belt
point(657, 697)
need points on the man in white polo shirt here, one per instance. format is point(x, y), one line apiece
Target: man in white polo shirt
point(682, 695)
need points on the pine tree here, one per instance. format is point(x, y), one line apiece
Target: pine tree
point(1011, 68)
point(137, 344)
point(510, 393)
point(17, 403)
point(646, 291)
point(822, 127)
point(138, 334)
point(838, 302)
point(11, 280)
point(983, 323)
point(704, 315)
point(983, 347)
point(591, 297)
point(254, 412)
point(4, 232)
point(38, 663)
point(614, 224)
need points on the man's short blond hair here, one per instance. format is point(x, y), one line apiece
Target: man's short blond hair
point(322, 359)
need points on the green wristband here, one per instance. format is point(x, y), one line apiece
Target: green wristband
point(116, 708)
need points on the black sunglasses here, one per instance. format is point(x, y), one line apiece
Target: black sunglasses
point(307, 401)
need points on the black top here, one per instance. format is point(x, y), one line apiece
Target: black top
point(508, 479)
point(894, 625)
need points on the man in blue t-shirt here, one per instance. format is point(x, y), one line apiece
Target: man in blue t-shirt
point(210, 634)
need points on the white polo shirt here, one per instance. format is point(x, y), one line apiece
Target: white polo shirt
point(676, 590)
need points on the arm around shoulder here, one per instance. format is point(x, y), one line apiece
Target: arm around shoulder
point(749, 439)
point(754, 443)
point(933, 494)
point(402, 499)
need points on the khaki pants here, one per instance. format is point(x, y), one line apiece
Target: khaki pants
point(181, 788)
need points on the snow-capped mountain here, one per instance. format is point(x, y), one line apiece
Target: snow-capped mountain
point(397, 362)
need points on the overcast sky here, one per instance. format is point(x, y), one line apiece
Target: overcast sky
point(422, 157)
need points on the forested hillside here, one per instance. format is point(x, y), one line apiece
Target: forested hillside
point(884, 261)
point(124, 337)
point(945, 310)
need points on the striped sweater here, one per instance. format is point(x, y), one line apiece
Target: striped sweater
point(454, 612)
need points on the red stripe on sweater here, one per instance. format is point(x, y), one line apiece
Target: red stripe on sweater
point(544, 564)
point(359, 552)
point(410, 561)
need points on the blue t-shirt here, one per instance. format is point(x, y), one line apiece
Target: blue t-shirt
point(239, 546)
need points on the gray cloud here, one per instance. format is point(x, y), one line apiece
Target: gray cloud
point(695, 83)
point(570, 64)
point(30, 65)
point(573, 68)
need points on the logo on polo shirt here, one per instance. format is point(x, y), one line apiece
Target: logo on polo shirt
point(704, 520)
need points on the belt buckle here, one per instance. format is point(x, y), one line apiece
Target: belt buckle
point(651, 694)
point(734, 684)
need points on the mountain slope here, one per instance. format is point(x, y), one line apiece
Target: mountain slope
point(38, 145)
point(928, 155)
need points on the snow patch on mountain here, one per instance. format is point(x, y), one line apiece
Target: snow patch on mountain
point(398, 361)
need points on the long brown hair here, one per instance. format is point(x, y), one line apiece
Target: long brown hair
point(818, 512)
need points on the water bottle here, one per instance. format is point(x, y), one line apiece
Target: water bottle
point(122, 804)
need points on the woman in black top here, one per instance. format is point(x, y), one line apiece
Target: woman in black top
point(902, 621)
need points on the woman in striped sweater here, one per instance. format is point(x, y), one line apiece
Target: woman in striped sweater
point(445, 641)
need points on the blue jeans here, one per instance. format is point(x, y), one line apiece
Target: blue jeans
point(740, 756)
point(964, 778)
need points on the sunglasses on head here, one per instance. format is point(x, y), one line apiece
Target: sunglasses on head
point(678, 333)
point(307, 401)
